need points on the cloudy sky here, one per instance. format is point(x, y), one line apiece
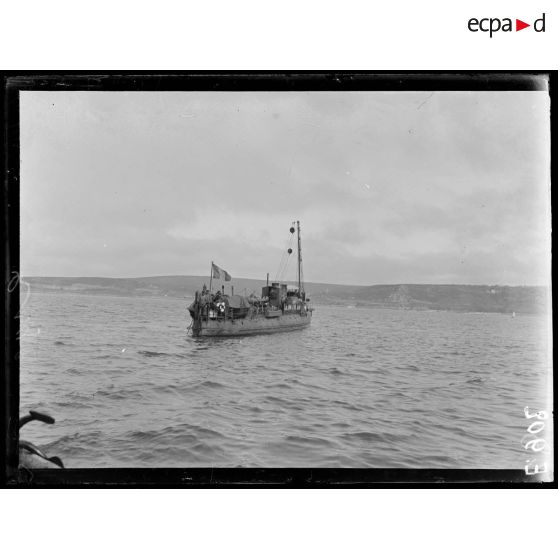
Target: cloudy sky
point(406, 187)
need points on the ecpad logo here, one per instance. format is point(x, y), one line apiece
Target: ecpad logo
point(493, 25)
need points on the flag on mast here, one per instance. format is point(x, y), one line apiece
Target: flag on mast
point(216, 272)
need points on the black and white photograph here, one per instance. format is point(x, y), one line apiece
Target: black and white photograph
point(320, 278)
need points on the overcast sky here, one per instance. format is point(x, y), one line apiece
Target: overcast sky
point(407, 187)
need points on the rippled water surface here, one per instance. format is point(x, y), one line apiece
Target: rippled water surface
point(359, 388)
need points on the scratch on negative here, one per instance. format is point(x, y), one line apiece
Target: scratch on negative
point(425, 101)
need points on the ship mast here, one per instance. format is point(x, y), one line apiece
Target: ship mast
point(299, 258)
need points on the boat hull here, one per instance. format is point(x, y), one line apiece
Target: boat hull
point(251, 326)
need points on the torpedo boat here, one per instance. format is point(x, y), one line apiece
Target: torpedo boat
point(279, 308)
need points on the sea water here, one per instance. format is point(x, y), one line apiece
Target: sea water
point(360, 387)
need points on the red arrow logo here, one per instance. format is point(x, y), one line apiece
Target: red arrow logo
point(519, 25)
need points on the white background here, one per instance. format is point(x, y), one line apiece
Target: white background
point(259, 35)
point(274, 35)
point(281, 523)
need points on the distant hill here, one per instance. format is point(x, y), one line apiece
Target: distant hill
point(460, 298)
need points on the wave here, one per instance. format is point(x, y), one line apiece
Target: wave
point(307, 441)
point(280, 385)
point(211, 384)
point(175, 433)
point(366, 436)
point(411, 367)
point(152, 354)
point(476, 380)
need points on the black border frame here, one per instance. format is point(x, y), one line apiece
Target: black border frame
point(13, 82)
